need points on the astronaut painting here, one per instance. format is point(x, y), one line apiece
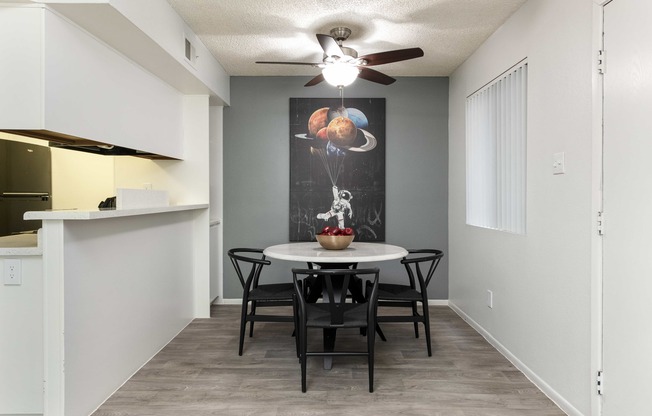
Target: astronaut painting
point(337, 166)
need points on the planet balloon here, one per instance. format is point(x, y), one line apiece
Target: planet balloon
point(333, 113)
point(322, 136)
point(358, 118)
point(370, 142)
point(342, 132)
point(360, 139)
point(318, 120)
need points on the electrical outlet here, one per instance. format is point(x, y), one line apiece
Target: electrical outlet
point(490, 298)
point(13, 274)
point(558, 165)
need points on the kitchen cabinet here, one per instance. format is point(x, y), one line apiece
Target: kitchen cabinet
point(60, 79)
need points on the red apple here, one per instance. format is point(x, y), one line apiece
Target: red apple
point(325, 230)
point(337, 231)
point(348, 231)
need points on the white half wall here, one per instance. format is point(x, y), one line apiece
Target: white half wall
point(541, 281)
point(21, 339)
point(129, 289)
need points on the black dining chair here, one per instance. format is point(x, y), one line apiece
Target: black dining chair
point(313, 287)
point(420, 265)
point(334, 313)
point(249, 262)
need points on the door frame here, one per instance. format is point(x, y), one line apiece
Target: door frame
point(597, 152)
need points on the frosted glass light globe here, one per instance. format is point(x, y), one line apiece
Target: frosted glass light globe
point(340, 74)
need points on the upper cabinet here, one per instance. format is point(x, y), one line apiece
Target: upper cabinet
point(66, 80)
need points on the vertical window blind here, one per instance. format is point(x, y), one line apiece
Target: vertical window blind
point(496, 154)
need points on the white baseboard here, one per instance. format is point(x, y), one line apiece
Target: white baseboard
point(431, 302)
point(223, 301)
point(552, 394)
point(21, 414)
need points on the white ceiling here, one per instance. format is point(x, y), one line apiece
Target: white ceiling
point(240, 32)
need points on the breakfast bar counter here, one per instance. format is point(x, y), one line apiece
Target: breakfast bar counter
point(118, 285)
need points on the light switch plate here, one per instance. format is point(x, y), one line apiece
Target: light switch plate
point(558, 167)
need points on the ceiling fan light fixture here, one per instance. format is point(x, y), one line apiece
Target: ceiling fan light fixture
point(340, 74)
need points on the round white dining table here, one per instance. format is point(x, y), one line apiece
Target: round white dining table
point(312, 252)
point(354, 253)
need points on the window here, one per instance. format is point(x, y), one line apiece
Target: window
point(496, 152)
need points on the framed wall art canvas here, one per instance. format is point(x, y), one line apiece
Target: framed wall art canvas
point(337, 167)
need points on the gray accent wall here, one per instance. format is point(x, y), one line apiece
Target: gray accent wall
point(256, 168)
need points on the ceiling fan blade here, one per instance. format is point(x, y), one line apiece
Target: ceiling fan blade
point(329, 45)
point(290, 63)
point(392, 56)
point(375, 76)
point(316, 80)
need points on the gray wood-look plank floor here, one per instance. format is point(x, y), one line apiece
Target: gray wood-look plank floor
point(200, 373)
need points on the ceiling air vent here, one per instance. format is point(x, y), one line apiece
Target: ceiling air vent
point(189, 52)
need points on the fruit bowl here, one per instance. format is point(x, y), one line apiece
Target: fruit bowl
point(334, 242)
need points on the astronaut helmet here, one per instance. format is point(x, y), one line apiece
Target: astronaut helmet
point(345, 195)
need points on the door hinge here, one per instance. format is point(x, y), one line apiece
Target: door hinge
point(600, 382)
point(602, 61)
point(600, 223)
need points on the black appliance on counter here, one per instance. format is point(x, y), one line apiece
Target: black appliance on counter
point(25, 185)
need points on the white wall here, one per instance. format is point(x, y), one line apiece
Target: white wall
point(80, 180)
point(159, 21)
point(216, 201)
point(21, 339)
point(541, 281)
point(186, 180)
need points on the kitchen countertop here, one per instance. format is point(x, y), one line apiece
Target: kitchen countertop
point(20, 245)
point(29, 244)
point(102, 214)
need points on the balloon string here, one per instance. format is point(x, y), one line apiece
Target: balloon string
point(339, 165)
point(327, 167)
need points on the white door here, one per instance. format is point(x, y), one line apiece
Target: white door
point(627, 267)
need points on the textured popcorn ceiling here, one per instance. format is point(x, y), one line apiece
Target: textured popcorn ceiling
point(240, 32)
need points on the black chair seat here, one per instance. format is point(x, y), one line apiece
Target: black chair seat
point(273, 292)
point(388, 291)
point(318, 315)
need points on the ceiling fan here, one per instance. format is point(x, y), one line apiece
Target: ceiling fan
point(341, 65)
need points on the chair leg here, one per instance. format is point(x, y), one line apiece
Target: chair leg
point(415, 313)
point(426, 324)
point(296, 326)
point(251, 324)
point(371, 340)
point(380, 332)
point(243, 323)
point(304, 348)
